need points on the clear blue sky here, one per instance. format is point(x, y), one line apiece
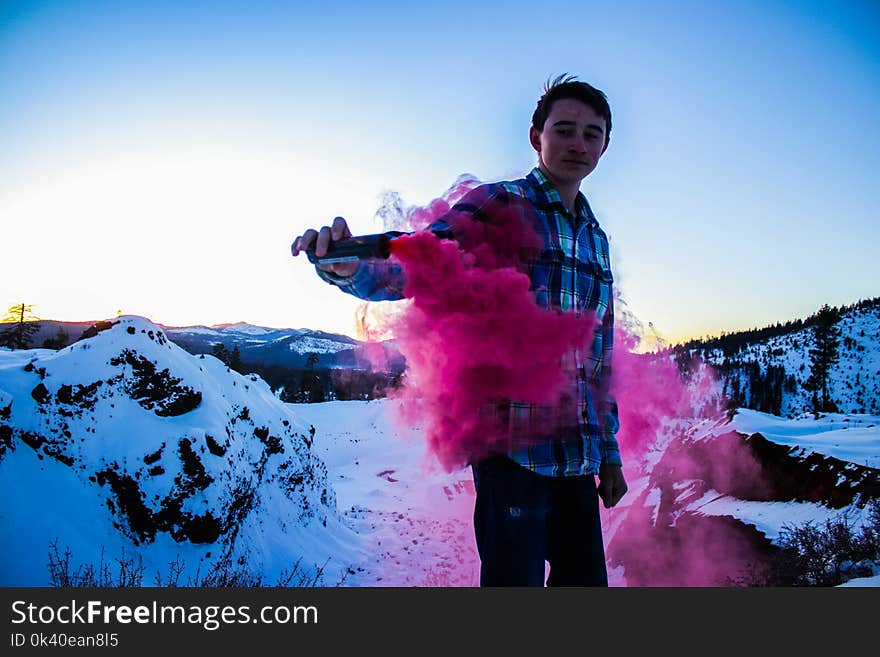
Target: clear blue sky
point(158, 158)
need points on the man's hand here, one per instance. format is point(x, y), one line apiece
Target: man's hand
point(339, 231)
point(612, 485)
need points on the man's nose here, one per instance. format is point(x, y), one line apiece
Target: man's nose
point(578, 145)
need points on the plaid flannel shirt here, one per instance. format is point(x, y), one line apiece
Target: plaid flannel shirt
point(572, 273)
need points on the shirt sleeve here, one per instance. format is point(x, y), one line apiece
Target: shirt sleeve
point(611, 423)
point(384, 280)
point(374, 280)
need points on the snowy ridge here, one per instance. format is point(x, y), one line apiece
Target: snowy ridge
point(318, 345)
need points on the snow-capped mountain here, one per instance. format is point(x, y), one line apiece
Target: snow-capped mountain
point(125, 439)
point(259, 342)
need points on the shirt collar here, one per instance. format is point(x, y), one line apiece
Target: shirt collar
point(584, 212)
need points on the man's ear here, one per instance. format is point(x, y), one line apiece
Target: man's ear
point(535, 138)
point(605, 147)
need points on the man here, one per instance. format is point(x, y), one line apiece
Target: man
point(540, 502)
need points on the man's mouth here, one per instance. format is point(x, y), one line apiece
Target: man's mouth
point(580, 162)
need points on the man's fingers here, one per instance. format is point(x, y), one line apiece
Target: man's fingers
point(303, 242)
point(320, 239)
point(611, 491)
point(322, 242)
point(340, 230)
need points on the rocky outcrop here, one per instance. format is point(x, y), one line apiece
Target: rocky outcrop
point(669, 538)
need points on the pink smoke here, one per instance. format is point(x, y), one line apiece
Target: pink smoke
point(650, 391)
point(474, 337)
point(657, 543)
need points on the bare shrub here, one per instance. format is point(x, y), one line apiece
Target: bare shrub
point(829, 553)
point(825, 553)
point(129, 572)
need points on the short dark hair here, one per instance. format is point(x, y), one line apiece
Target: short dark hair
point(568, 86)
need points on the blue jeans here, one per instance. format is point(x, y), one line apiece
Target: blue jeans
point(522, 519)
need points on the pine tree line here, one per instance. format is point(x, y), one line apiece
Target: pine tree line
point(732, 343)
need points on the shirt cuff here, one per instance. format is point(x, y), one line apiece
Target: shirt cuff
point(344, 282)
point(610, 450)
point(611, 456)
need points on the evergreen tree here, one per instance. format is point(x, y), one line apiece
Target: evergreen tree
point(235, 362)
point(291, 393)
point(311, 388)
point(59, 341)
point(22, 326)
point(219, 351)
point(823, 355)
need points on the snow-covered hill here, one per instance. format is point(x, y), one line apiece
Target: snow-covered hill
point(125, 439)
point(854, 380)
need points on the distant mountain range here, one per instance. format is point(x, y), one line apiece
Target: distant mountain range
point(258, 345)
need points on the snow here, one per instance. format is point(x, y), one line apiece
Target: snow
point(311, 344)
point(393, 517)
point(241, 328)
point(116, 433)
point(247, 329)
point(77, 517)
point(854, 438)
point(196, 330)
point(416, 517)
point(769, 518)
point(653, 501)
point(862, 582)
point(854, 381)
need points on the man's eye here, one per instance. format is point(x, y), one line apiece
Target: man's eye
point(565, 133)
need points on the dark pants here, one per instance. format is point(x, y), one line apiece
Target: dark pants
point(522, 519)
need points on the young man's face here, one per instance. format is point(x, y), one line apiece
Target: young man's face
point(572, 141)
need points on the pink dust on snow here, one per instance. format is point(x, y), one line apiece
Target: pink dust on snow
point(657, 534)
point(473, 335)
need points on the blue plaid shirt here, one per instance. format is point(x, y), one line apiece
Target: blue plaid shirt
point(571, 273)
